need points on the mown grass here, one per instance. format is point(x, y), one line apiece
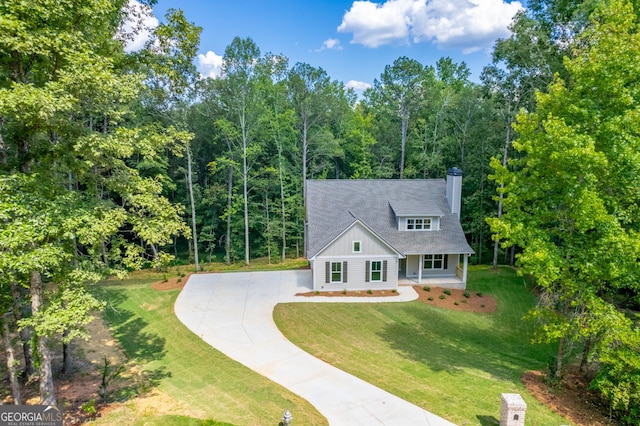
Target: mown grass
point(454, 364)
point(201, 379)
point(259, 264)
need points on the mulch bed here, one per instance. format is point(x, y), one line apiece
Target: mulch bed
point(476, 302)
point(341, 293)
point(170, 283)
point(455, 301)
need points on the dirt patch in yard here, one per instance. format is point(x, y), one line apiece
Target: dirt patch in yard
point(572, 400)
point(78, 391)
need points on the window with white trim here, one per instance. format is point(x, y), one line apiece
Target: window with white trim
point(357, 247)
point(376, 270)
point(434, 261)
point(336, 272)
point(419, 224)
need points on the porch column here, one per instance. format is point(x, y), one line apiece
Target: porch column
point(420, 263)
point(464, 268)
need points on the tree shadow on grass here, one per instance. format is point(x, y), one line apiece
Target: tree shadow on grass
point(140, 345)
point(440, 340)
point(128, 328)
point(488, 420)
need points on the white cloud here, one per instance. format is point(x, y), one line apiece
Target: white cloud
point(331, 43)
point(137, 27)
point(357, 85)
point(210, 64)
point(376, 24)
point(469, 25)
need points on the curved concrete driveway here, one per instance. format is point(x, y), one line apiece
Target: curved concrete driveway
point(233, 312)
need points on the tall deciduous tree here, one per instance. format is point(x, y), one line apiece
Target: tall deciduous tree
point(70, 198)
point(400, 89)
point(313, 97)
point(172, 77)
point(241, 69)
point(572, 199)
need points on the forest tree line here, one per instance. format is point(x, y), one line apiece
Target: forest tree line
point(113, 160)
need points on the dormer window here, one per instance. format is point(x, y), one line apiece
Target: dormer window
point(419, 224)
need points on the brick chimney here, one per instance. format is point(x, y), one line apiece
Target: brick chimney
point(454, 189)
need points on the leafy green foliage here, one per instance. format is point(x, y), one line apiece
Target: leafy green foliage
point(569, 203)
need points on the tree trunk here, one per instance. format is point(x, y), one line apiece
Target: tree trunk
point(559, 359)
point(47, 390)
point(282, 208)
point(194, 229)
point(282, 203)
point(66, 355)
point(505, 152)
point(23, 310)
point(585, 355)
point(227, 243)
point(403, 143)
point(11, 362)
point(105, 257)
point(481, 214)
point(245, 195)
point(156, 257)
point(266, 209)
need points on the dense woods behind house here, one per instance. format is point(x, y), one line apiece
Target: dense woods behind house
point(112, 161)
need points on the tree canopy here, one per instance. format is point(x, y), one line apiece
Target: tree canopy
point(571, 200)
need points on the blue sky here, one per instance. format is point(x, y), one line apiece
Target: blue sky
point(351, 40)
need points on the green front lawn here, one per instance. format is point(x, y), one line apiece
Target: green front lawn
point(201, 379)
point(454, 364)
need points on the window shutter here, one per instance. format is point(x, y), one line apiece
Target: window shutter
point(367, 271)
point(344, 272)
point(327, 272)
point(446, 258)
point(384, 270)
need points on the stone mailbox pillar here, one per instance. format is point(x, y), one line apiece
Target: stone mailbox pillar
point(513, 409)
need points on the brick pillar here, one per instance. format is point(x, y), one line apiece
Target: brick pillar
point(513, 410)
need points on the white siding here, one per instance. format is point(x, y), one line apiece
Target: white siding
point(356, 274)
point(413, 263)
point(341, 250)
point(370, 245)
point(412, 266)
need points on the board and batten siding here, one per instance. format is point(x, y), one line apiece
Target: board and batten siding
point(341, 250)
point(369, 244)
point(356, 278)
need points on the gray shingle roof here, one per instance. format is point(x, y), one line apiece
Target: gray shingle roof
point(333, 205)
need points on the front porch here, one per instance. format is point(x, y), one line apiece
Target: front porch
point(454, 283)
point(445, 270)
